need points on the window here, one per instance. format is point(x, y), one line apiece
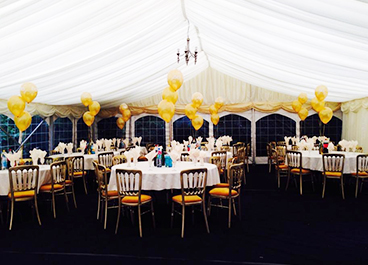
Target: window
point(39, 139)
point(63, 131)
point(108, 129)
point(152, 130)
point(238, 127)
point(312, 126)
point(273, 127)
point(82, 131)
point(183, 129)
point(9, 140)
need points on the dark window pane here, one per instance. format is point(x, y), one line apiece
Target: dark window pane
point(238, 127)
point(39, 139)
point(183, 129)
point(108, 129)
point(152, 130)
point(63, 131)
point(82, 131)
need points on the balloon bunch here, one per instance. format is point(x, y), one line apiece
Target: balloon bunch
point(17, 104)
point(298, 106)
point(318, 104)
point(219, 102)
point(93, 107)
point(166, 107)
point(124, 110)
point(192, 108)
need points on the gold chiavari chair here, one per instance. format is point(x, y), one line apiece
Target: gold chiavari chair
point(333, 168)
point(229, 193)
point(216, 160)
point(105, 195)
point(281, 169)
point(105, 159)
point(236, 148)
point(359, 149)
point(361, 172)
point(184, 156)
point(23, 182)
point(270, 159)
point(248, 155)
point(295, 164)
point(193, 187)
point(69, 182)
point(223, 156)
point(280, 143)
point(49, 160)
point(57, 185)
point(119, 159)
point(25, 161)
point(129, 186)
point(241, 158)
point(79, 171)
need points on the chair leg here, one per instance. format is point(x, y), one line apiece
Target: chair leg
point(278, 179)
point(105, 222)
point(247, 166)
point(153, 215)
point(229, 222)
point(342, 187)
point(288, 180)
point(140, 220)
point(74, 199)
point(205, 216)
point(209, 205)
point(53, 204)
point(11, 215)
point(118, 219)
point(356, 187)
point(301, 184)
point(98, 205)
point(182, 220)
point(239, 208)
point(85, 184)
point(324, 186)
point(234, 208)
point(37, 213)
point(172, 214)
point(66, 200)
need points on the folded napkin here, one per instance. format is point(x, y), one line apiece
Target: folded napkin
point(190, 139)
point(13, 157)
point(219, 144)
point(330, 147)
point(202, 156)
point(178, 148)
point(199, 139)
point(126, 142)
point(114, 142)
point(151, 155)
point(129, 156)
point(139, 140)
point(107, 143)
point(194, 154)
point(69, 148)
point(135, 140)
point(82, 145)
point(174, 156)
point(136, 152)
point(118, 143)
point(185, 145)
point(99, 144)
point(62, 147)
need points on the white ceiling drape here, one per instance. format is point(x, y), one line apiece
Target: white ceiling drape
point(121, 51)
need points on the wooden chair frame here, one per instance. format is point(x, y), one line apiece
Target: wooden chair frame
point(333, 163)
point(361, 172)
point(295, 165)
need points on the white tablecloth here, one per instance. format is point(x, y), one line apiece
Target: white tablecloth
point(165, 177)
point(44, 177)
point(313, 160)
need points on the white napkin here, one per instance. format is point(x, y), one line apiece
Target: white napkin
point(107, 143)
point(118, 143)
point(330, 147)
point(99, 144)
point(82, 145)
point(151, 155)
point(174, 156)
point(62, 147)
point(310, 145)
point(41, 155)
point(34, 154)
point(69, 148)
point(190, 139)
point(114, 141)
point(219, 144)
point(139, 140)
point(126, 142)
point(194, 154)
point(135, 140)
point(199, 139)
point(185, 145)
point(13, 157)
point(136, 152)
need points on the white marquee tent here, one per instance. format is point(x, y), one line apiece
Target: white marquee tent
point(255, 54)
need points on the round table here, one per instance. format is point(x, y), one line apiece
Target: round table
point(163, 178)
point(43, 178)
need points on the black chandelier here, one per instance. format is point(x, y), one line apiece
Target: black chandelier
point(187, 53)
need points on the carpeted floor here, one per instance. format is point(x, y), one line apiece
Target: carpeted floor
point(277, 227)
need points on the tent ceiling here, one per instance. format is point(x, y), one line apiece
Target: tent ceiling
point(121, 51)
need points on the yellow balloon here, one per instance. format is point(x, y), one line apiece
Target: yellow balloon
point(190, 111)
point(175, 79)
point(197, 122)
point(325, 115)
point(296, 105)
point(321, 92)
point(302, 98)
point(120, 123)
point(197, 99)
point(170, 95)
point(122, 107)
point(16, 105)
point(23, 121)
point(215, 118)
point(317, 105)
point(94, 108)
point(303, 113)
point(213, 109)
point(28, 91)
point(86, 99)
point(219, 102)
point(126, 115)
point(88, 118)
point(160, 106)
point(166, 110)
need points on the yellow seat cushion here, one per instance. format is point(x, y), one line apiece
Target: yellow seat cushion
point(48, 187)
point(222, 185)
point(360, 174)
point(79, 173)
point(68, 181)
point(297, 170)
point(134, 199)
point(22, 194)
point(333, 174)
point(188, 198)
point(108, 170)
point(282, 166)
point(110, 193)
point(223, 192)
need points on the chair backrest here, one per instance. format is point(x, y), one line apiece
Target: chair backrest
point(193, 182)
point(277, 161)
point(119, 159)
point(236, 176)
point(247, 151)
point(25, 161)
point(281, 151)
point(269, 151)
point(236, 147)
point(333, 162)
point(294, 159)
point(280, 143)
point(105, 159)
point(58, 172)
point(49, 160)
point(223, 155)
point(184, 156)
point(362, 163)
point(273, 144)
point(359, 149)
point(129, 182)
point(23, 178)
point(226, 148)
point(78, 163)
point(101, 177)
point(216, 160)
